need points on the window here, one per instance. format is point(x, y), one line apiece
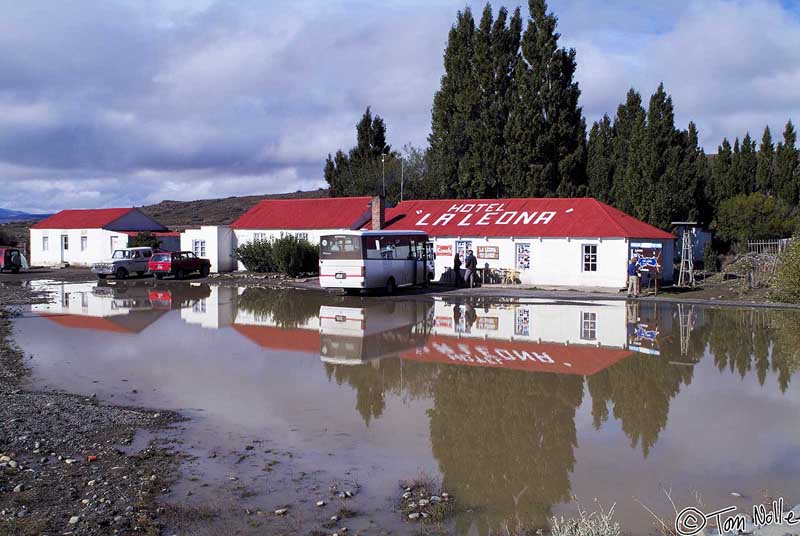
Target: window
point(589, 326)
point(65, 242)
point(45, 243)
point(340, 247)
point(301, 236)
point(258, 237)
point(199, 247)
point(589, 257)
point(199, 306)
point(147, 254)
point(84, 243)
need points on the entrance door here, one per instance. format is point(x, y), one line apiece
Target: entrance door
point(64, 246)
point(114, 244)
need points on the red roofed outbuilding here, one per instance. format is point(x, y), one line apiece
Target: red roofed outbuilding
point(273, 218)
point(83, 237)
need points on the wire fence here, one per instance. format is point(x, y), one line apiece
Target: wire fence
point(771, 247)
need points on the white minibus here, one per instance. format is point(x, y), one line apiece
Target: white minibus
point(363, 260)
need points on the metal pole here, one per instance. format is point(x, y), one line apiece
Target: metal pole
point(383, 173)
point(402, 176)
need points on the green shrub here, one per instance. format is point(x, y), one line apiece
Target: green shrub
point(711, 262)
point(144, 240)
point(256, 256)
point(754, 217)
point(7, 239)
point(287, 255)
point(293, 255)
point(786, 285)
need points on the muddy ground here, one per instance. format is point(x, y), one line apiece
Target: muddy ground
point(62, 467)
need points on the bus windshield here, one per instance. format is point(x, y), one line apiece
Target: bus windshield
point(340, 247)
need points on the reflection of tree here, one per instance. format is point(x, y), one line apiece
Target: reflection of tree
point(287, 308)
point(375, 380)
point(505, 439)
point(639, 389)
point(741, 340)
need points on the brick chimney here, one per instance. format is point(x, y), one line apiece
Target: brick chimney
point(378, 213)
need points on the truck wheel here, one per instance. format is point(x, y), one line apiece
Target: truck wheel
point(180, 274)
point(101, 276)
point(140, 274)
point(121, 273)
point(15, 270)
point(204, 270)
point(159, 276)
point(391, 286)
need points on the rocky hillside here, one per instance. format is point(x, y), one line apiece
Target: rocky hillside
point(179, 215)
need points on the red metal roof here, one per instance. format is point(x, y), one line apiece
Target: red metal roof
point(154, 233)
point(82, 219)
point(275, 338)
point(322, 213)
point(535, 217)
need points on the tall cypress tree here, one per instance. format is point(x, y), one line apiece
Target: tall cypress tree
point(696, 174)
point(720, 174)
point(453, 106)
point(663, 189)
point(545, 133)
point(628, 125)
point(494, 55)
point(747, 166)
point(766, 159)
point(600, 163)
point(786, 164)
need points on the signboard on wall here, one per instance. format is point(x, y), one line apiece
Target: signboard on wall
point(444, 250)
point(649, 256)
point(489, 252)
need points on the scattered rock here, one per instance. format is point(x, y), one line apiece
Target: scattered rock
point(423, 502)
point(281, 511)
point(73, 520)
point(407, 495)
point(413, 516)
point(321, 503)
point(18, 488)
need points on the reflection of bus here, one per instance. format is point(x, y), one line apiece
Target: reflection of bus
point(356, 335)
point(359, 260)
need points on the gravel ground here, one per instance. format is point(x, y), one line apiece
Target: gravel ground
point(62, 467)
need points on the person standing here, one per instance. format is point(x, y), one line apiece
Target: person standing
point(633, 277)
point(457, 269)
point(472, 266)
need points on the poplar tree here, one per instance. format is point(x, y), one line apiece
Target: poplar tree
point(546, 132)
point(765, 162)
point(786, 166)
point(663, 191)
point(628, 123)
point(453, 106)
point(494, 55)
point(600, 164)
point(720, 173)
point(360, 171)
point(748, 163)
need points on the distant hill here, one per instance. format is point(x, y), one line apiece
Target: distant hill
point(179, 215)
point(8, 216)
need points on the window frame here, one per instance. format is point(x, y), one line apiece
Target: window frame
point(588, 326)
point(201, 251)
point(586, 265)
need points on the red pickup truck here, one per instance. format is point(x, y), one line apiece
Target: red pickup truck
point(178, 264)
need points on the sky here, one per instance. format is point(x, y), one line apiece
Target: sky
point(113, 103)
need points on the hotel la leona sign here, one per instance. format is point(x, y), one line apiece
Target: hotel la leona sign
point(469, 214)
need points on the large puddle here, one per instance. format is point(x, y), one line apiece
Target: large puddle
point(517, 405)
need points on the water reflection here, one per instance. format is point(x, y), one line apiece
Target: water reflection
point(506, 385)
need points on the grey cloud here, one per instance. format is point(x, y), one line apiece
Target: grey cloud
point(129, 102)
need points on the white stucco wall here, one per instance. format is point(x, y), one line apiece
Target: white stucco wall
point(98, 246)
point(554, 261)
point(219, 245)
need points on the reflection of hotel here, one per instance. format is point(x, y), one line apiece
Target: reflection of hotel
point(540, 336)
point(535, 336)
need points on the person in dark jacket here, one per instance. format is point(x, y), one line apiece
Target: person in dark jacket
point(471, 268)
point(457, 269)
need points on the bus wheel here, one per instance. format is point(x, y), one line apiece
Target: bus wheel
point(391, 286)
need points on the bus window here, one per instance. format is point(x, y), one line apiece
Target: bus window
point(373, 247)
point(340, 247)
point(402, 247)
